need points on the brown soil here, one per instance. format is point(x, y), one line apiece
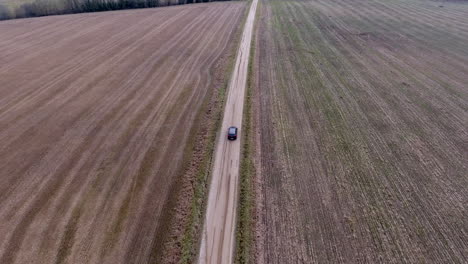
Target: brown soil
point(362, 111)
point(96, 112)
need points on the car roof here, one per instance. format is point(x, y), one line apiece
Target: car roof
point(232, 129)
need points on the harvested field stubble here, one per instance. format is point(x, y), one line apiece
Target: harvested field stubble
point(363, 132)
point(95, 116)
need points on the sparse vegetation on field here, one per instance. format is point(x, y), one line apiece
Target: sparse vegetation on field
point(363, 109)
point(99, 121)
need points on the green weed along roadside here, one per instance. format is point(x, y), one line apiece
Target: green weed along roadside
point(245, 220)
point(191, 236)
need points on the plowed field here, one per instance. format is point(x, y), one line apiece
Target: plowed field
point(363, 131)
point(96, 115)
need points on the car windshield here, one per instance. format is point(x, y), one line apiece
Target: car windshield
point(232, 130)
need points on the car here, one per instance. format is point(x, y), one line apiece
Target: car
point(232, 133)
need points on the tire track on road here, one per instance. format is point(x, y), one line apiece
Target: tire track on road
point(218, 234)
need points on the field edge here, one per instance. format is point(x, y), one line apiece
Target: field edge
point(245, 226)
point(189, 240)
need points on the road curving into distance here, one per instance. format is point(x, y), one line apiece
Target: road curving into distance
point(218, 238)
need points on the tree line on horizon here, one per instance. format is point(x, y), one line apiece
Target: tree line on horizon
point(39, 8)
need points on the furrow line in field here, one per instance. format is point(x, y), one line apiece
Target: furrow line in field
point(439, 91)
point(136, 74)
point(60, 198)
point(426, 30)
point(47, 32)
point(411, 68)
point(46, 42)
point(338, 79)
point(445, 16)
point(100, 107)
point(185, 113)
point(74, 67)
point(102, 67)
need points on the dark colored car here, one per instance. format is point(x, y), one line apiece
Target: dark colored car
point(232, 133)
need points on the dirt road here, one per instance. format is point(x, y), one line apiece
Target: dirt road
point(219, 230)
point(97, 114)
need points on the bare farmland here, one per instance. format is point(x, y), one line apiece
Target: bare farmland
point(362, 109)
point(97, 119)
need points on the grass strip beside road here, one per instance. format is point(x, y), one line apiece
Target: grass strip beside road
point(245, 222)
point(191, 237)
